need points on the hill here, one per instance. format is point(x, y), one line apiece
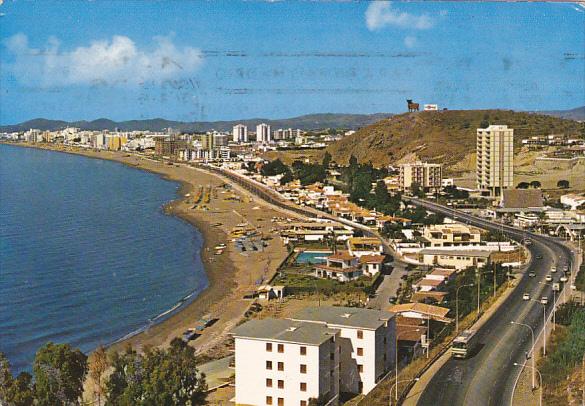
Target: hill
point(306, 122)
point(440, 136)
point(573, 114)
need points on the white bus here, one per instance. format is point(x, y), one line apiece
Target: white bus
point(464, 344)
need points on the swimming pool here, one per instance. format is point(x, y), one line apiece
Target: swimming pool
point(307, 257)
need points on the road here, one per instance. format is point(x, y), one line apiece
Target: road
point(489, 376)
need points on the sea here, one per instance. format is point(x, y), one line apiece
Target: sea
point(87, 255)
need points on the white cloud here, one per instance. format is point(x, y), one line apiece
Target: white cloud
point(410, 41)
point(115, 61)
point(380, 14)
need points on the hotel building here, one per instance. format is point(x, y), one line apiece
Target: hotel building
point(495, 159)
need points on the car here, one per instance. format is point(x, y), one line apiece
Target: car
point(392, 299)
point(539, 257)
point(544, 300)
point(573, 287)
point(553, 269)
point(526, 296)
point(532, 274)
point(548, 278)
point(564, 279)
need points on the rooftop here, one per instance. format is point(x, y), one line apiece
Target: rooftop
point(433, 311)
point(450, 252)
point(345, 316)
point(372, 259)
point(284, 330)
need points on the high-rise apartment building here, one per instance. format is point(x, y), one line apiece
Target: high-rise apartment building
point(263, 133)
point(495, 159)
point(426, 176)
point(207, 141)
point(240, 133)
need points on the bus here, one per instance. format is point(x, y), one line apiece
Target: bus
point(464, 344)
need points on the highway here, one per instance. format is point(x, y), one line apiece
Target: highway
point(488, 377)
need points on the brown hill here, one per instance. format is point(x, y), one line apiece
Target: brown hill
point(441, 136)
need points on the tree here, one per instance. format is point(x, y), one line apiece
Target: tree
point(535, 184)
point(14, 392)
point(563, 184)
point(98, 364)
point(272, 168)
point(361, 187)
point(286, 178)
point(416, 190)
point(381, 194)
point(326, 159)
point(59, 372)
point(523, 185)
point(320, 401)
point(159, 377)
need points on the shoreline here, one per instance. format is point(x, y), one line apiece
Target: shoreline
point(229, 275)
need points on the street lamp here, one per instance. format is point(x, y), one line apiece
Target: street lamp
point(396, 363)
point(396, 384)
point(532, 349)
point(457, 306)
point(554, 303)
point(539, 378)
point(544, 324)
point(479, 289)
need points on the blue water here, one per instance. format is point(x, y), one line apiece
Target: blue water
point(306, 257)
point(86, 254)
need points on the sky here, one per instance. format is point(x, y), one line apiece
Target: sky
point(228, 60)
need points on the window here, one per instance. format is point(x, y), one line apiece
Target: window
point(269, 365)
point(303, 386)
point(281, 348)
point(360, 368)
point(269, 347)
point(360, 351)
point(268, 400)
point(303, 369)
point(303, 350)
point(332, 356)
point(280, 401)
point(281, 366)
point(268, 383)
point(360, 334)
point(280, 384)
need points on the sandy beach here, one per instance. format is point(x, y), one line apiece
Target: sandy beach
point(232, 274)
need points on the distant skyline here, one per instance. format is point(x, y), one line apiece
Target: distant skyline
point(228, 60)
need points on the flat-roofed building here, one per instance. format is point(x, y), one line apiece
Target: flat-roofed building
point(366, 339)
point(453, 258)
point(427, 176)
point(263, 134)
point(358, 246)
point(495, 159)
point(285, 362)
point(240, 133)
point(451, 235)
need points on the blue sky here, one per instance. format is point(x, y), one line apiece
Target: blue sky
point(197, 60)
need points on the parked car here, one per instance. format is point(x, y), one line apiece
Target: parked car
point(526, 296)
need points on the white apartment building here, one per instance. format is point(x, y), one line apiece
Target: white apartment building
point(285, 362)
point(240, 133)
point(220, 139)
point(367, 340)
point(427, 176)
point(495, 159)
point(263, 133)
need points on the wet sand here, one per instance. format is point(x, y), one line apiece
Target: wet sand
point(231, 274)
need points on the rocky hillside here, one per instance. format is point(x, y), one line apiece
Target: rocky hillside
point(440, 136)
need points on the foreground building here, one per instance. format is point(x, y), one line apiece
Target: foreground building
point(366, 339)
point(285, 362)
point(495, 159)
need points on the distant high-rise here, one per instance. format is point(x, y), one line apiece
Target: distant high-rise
point(495, 159)
point(263, 133)
point(207, 141)
point(240, 133)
